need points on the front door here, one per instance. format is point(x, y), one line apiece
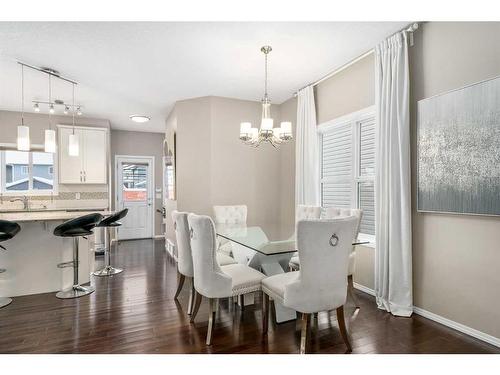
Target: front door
point(134, 190)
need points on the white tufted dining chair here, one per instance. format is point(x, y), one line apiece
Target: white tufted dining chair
point(321, 282)
point(234, 216)
point(332, 213)
point(211, 280)
point(335, 212)
point(184, 257)
point(303, 212)
point(231, 214)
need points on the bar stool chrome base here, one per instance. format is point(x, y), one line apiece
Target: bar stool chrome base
point(107, 271)
point(75, 292)
point(4, 301)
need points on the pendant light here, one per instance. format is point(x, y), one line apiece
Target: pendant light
point(267, 132)
point(73, 146)
point(50, 134)
point(23, 132)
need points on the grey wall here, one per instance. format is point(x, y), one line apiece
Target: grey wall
point(288, 112)
point(193, 154)
point(244, 174)
point(455, 258)
point(140, 144)
point(348, 91)
point(215, 168)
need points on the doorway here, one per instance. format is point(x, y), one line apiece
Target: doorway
point(134, 189)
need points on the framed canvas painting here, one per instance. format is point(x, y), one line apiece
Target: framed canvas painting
point(458, 151)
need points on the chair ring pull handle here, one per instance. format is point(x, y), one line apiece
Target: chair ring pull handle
point(334, 240)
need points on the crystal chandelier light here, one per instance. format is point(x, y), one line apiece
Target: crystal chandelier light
point(266, 133)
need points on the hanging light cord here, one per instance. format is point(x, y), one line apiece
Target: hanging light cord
point(50, 101)
point(265, 79)
point(22, 95)
point(73, 108)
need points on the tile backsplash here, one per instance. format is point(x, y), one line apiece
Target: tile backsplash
point(63, 200)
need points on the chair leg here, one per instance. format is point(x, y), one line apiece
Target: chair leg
point(242, 302)
point(350, 291)
point(265, 313)
point(304, 332)
point(191, 298)
point(180, 283)
point(196, 306)
point(211, 319)
point(343, 330)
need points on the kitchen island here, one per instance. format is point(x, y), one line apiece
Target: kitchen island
point(32, 256)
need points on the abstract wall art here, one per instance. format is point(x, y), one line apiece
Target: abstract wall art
point(458, 151)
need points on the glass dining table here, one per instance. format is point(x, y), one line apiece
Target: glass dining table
point(267, 248)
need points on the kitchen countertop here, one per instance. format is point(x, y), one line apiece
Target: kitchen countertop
point(25, 216)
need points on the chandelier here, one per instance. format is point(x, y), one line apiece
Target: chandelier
point(266, 133)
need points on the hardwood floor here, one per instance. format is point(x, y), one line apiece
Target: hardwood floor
point(134, 312)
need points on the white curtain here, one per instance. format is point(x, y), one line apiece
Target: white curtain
point(306, 151)
point(393, 264)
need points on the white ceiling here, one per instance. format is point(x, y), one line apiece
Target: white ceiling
point(144, 68)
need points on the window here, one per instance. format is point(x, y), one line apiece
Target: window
point(348, 166)
point(135, 182)
point(30, 173)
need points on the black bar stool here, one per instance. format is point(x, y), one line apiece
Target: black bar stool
point(79, 227)
point(8, 229)
point(108, 223)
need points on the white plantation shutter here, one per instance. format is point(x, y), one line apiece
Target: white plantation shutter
point(366, 194)
point(348, 165)
point(336, 167)
point(367, 147)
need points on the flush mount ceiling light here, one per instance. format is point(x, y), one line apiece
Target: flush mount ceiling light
point(139, 118)
point(267, 133)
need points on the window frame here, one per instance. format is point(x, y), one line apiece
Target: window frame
point(354, 119)
point(30, 191)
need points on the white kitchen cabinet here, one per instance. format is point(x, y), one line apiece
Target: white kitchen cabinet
point(90, 166)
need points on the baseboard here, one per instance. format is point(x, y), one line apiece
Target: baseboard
point(158, 237)
point(458, 326)
point(364, 289)
point(444, 321)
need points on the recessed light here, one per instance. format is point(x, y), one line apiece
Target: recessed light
point(139, 118)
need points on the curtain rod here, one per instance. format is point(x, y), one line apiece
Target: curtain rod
point(410, 28)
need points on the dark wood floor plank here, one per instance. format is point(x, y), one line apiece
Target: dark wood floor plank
point(134, 312)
